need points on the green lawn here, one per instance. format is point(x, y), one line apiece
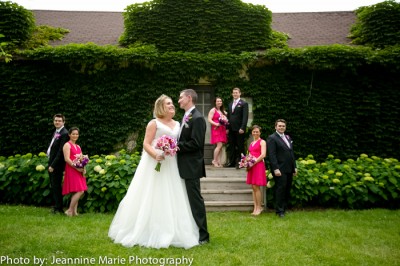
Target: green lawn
point(323, 237)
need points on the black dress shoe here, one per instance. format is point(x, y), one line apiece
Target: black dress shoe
point(281, 215)
point(203, 242)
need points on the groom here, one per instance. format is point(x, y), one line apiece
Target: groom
point(191, 158)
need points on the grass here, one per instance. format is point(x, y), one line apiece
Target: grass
point(323, 237)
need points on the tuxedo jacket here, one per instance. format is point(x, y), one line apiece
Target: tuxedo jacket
point(191, 147)
point(56, 156)
point(280, 155)
point(239, 116)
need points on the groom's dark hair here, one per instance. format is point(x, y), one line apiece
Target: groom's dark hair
point(192, 93)
point(59, 116)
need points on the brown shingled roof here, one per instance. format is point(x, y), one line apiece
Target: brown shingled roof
point(305, 29)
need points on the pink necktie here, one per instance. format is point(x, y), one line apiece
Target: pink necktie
point(285, 140)
point(234, 105)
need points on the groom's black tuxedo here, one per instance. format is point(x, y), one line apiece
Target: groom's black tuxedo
point(57, 162)
point(192, 168)
point(281, 157)
point(191, 147)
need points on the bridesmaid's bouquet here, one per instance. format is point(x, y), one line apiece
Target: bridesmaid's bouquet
point(168, 145)
point(223, 120)
point(80, 160)
point(247, 161)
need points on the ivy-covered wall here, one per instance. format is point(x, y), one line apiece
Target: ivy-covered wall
point(337, 100)
point(198, 26)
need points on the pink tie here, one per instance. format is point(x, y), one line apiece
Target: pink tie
point(234, 105)
point(285, 140)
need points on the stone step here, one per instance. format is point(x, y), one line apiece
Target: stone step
point(225, 189)
point(223, 183)
point(227, 195)
point(225, 172)
point(229, 205)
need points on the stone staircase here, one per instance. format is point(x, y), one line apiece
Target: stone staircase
point(225, 189)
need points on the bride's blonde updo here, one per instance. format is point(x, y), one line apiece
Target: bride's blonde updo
point(159, 109)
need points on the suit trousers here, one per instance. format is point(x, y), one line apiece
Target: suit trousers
point(283, 185)
point(56, 188)
point(198, 207)
point(236, 146)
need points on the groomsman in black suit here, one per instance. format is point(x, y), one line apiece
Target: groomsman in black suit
point(191, 158)
point(238, 114)
point(282, 165)
point(56, 164)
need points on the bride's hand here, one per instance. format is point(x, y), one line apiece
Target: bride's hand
point(159, 157)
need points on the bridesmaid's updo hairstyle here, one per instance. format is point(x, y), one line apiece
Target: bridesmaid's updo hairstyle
point(72, 129)
point(255, 126)
point(159, 110)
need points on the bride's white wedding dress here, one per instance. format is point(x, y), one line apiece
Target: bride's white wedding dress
point(155, 211)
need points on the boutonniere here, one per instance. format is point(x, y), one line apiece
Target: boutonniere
point(186, 120)
point(57, 135)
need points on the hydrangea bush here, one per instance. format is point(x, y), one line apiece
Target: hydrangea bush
point(24, 180)
point(362, 183)
point(365, 182)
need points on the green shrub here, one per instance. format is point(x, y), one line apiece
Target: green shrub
point(198, 26)
point(17, 23)
point(362, 183)
point(377, 25)
point(24, 179)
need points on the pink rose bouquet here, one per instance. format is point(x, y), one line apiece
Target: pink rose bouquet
point(247, 161)
point(223, 120)
point(80, 161)
point(168, 145)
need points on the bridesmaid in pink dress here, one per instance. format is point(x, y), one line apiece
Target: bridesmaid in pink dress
point(74, 180)
point(218, 131)
point(256, 175)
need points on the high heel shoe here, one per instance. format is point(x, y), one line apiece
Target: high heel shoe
point(215, 164)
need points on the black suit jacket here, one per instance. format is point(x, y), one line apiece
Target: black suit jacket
point(191, 147)
point(56, 156)
point(280, 156)
point(238, 118)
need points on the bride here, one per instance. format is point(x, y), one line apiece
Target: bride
point(155, 211)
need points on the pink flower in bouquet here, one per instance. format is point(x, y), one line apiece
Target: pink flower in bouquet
point(80, 161)
point(247, 161)
point(168, 145)
point(223, 120)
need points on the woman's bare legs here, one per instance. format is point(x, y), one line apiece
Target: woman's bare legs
point(73, 206)
point(217, 155)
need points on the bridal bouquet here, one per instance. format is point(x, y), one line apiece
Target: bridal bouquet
point(223, 120)
point(247, 161)
point(80, 160)
point(168, 145)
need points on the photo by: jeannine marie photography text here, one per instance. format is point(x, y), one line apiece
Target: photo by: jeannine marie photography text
point(101, 260)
